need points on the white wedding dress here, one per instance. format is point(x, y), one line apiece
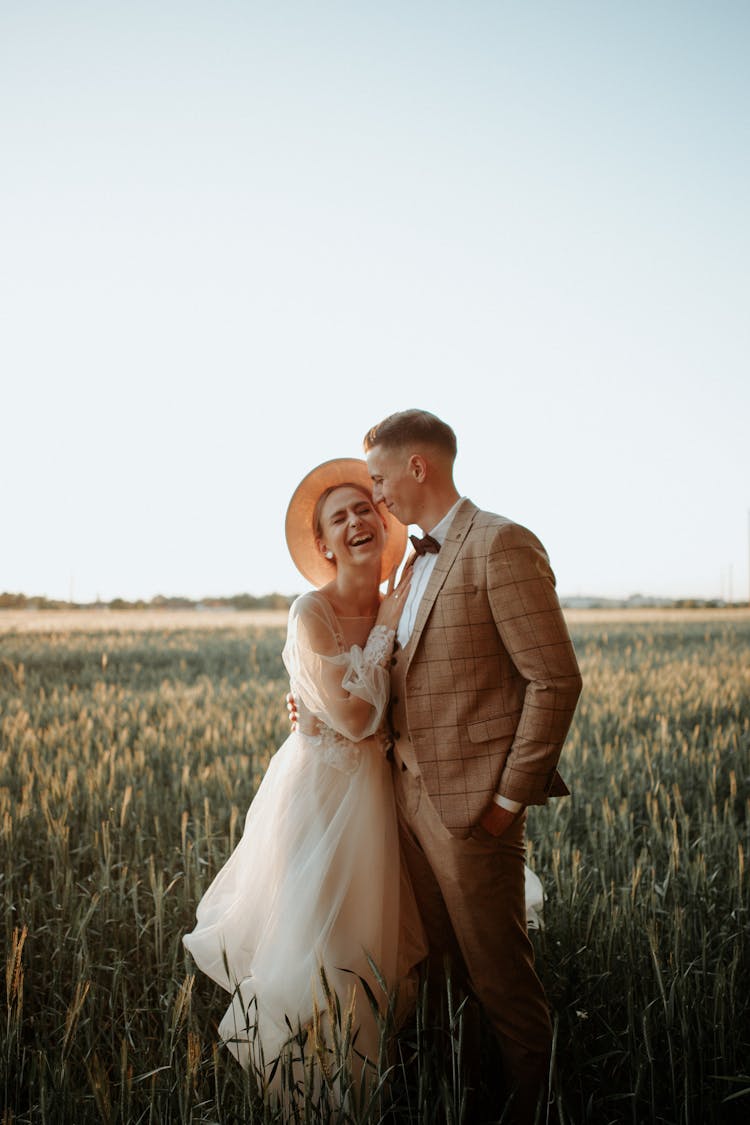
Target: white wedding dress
point(316, 880)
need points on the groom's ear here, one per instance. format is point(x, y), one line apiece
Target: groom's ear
point(418, 466)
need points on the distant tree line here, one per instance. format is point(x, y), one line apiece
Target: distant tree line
point(283, 601)
point(237, 601)
point(639, 601)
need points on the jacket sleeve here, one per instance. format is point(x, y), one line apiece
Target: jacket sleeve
point(346, 689)
point(528, 617)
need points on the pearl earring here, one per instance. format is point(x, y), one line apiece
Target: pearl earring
point(329, 554)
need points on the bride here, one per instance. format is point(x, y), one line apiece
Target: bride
point(316, 882)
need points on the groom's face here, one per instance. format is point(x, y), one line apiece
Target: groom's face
point(393, 483)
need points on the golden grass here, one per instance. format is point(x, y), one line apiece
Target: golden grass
point(136, 620)
point(128, 757)
point(156, 620)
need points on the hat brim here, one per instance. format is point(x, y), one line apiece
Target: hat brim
point(300, 536)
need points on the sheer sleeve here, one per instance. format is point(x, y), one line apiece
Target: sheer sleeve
point(345, 689)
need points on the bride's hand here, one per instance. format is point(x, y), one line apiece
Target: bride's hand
point(392, 604)
point(299, 717)
point(291, 706)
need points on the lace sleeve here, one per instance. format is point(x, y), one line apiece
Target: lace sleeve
point(379, 645)
point(345, 689)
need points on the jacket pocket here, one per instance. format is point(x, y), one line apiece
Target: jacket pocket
point(500, 726)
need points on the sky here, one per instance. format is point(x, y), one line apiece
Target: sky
point(234, 235)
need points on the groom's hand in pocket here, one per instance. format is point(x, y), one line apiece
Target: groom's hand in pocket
point(496, 820)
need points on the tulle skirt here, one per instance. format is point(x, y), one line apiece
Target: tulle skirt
point(316, 882)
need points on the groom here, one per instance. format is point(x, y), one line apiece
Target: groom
point(484, 683)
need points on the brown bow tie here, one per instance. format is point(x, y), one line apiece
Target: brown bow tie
point(426, 546)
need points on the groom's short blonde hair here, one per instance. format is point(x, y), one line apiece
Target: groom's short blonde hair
point(410, 429)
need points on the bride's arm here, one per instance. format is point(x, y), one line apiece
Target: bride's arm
point(346, 690)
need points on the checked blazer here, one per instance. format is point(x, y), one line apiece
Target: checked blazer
point(484, 692)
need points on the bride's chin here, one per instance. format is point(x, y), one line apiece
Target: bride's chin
point(369, 561)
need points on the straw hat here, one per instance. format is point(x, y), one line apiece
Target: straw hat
point(300, 535)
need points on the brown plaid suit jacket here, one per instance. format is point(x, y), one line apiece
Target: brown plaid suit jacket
point(483, 694)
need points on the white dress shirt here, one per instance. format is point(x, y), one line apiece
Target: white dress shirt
point(422, 569)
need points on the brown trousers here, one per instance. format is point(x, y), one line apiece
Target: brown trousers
point(471, 895)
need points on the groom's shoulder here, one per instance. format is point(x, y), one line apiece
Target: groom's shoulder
point(494, 530)
point(478, 520)
point(490, 519)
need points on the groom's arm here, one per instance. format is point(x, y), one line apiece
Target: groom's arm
point(530, 622)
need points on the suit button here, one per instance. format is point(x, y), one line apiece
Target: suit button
point(397, 734)
point(393, 661)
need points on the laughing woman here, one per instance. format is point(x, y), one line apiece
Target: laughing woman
point(316, 881)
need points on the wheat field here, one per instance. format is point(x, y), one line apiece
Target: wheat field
point(129, 752)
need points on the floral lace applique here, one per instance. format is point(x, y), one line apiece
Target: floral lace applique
point(379, 645)
point(336, 750)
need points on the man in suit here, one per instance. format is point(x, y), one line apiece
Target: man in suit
point(484, 683)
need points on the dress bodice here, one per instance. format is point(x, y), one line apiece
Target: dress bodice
point(338, 672)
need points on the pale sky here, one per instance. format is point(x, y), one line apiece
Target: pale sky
point(234, 235)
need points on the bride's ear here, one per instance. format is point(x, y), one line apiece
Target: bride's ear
point(324, 550)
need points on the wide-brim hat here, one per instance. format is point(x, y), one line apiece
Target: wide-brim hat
point(300, 534)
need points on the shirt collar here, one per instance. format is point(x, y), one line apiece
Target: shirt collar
point(440, 530)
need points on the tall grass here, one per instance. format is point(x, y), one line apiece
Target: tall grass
point(127, 762)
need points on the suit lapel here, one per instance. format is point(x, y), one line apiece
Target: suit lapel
point(454, 540)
